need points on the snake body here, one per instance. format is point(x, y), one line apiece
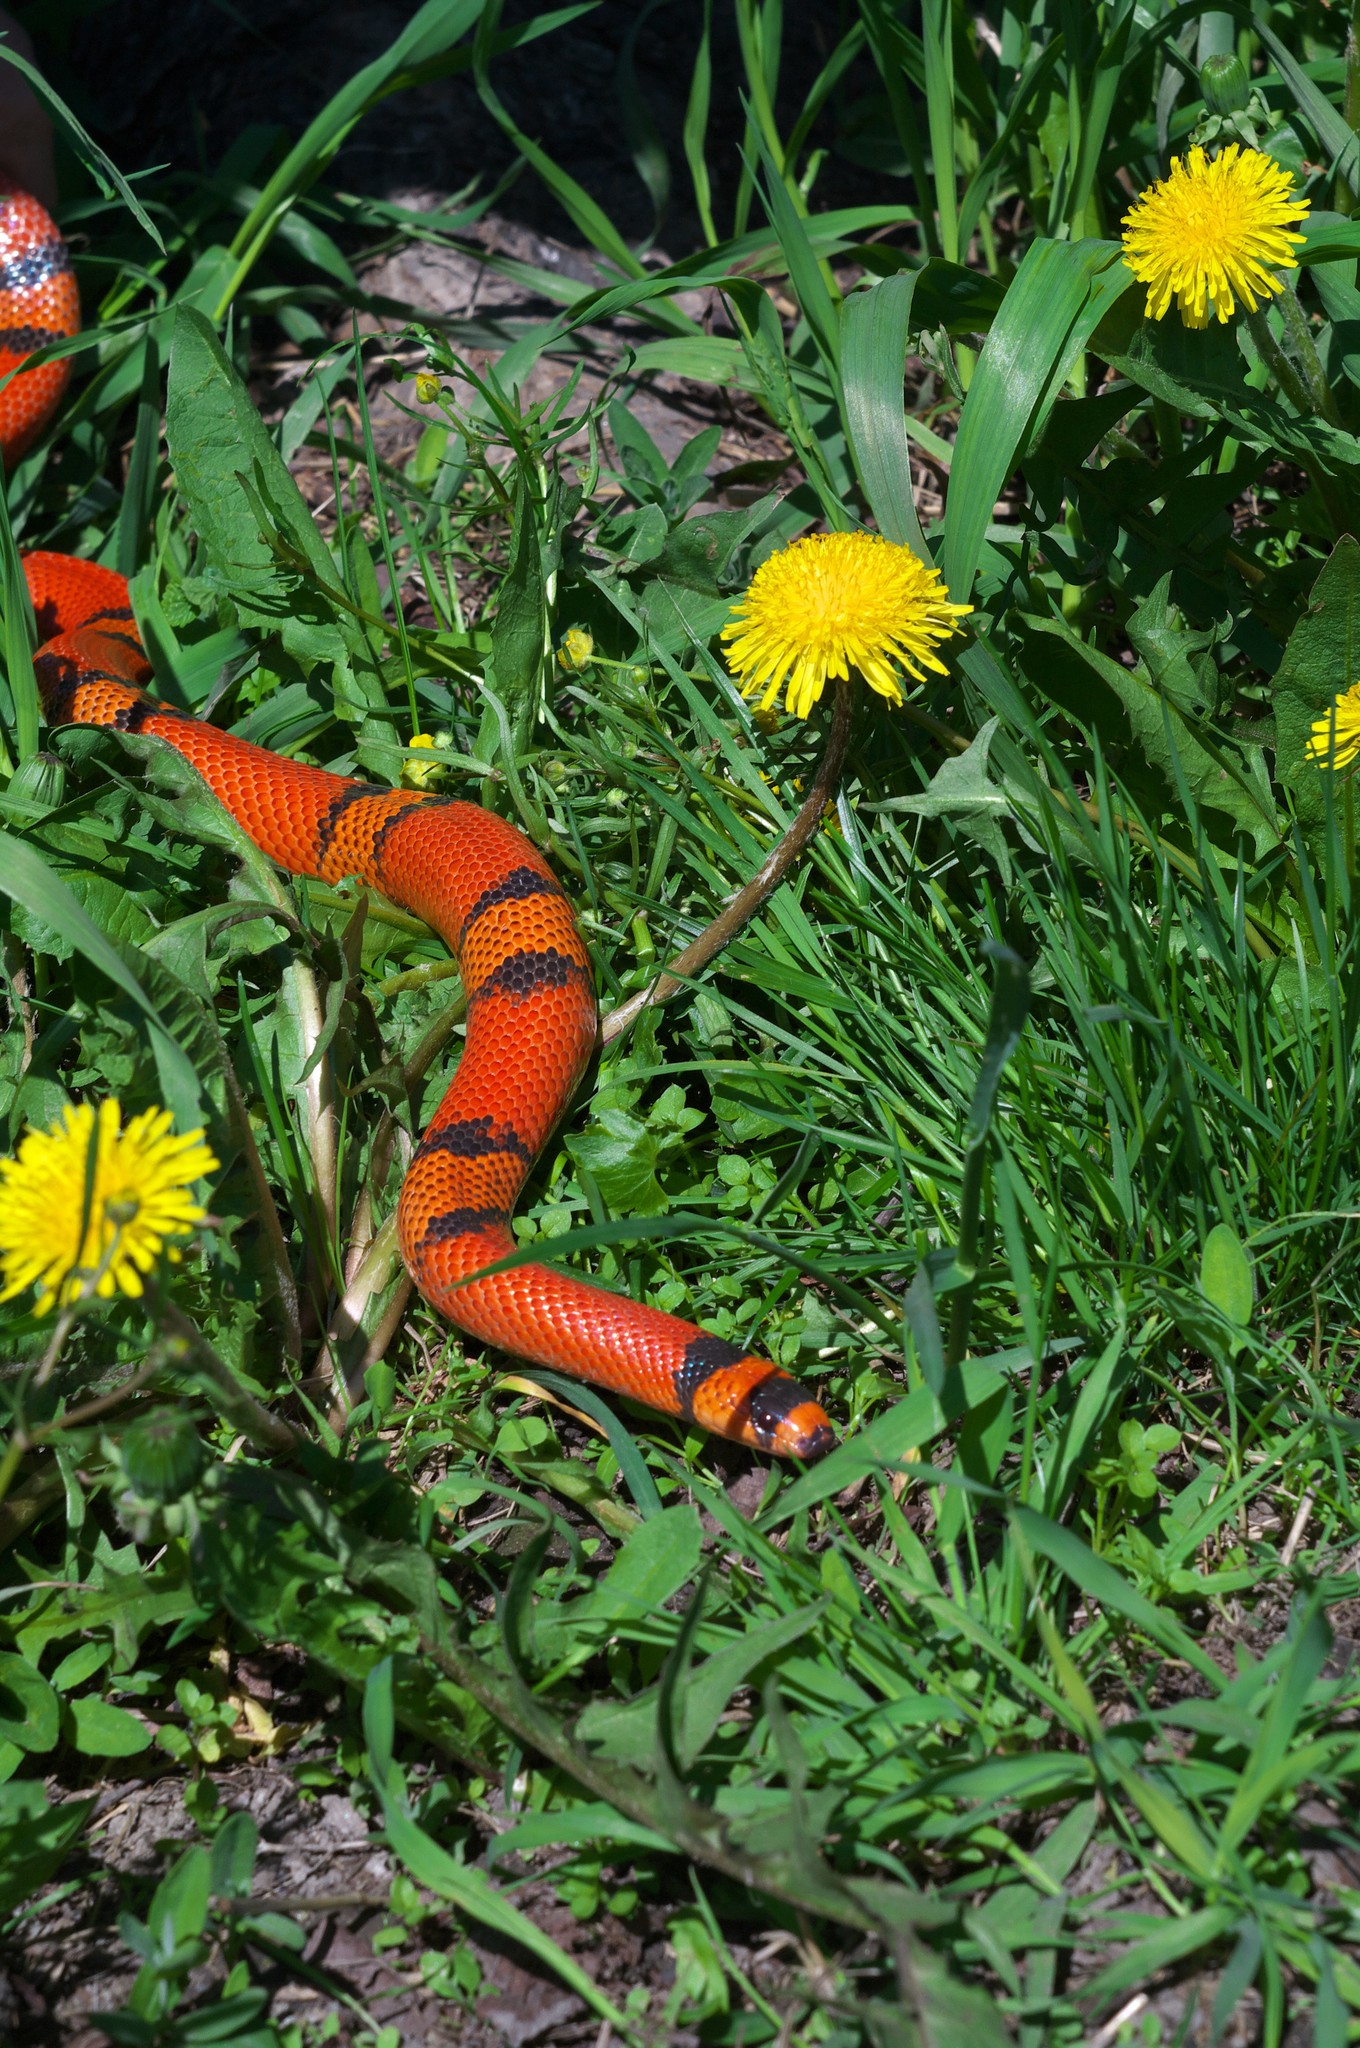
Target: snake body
point(475, 879)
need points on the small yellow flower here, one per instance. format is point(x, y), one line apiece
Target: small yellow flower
point(427, 387)
point(1212, 228)
point(834, 602)
point(577, 651)
point(420, 774)
point(1335, 739)
point(87, 1198)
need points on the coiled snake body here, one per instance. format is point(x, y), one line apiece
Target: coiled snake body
point(530, 997)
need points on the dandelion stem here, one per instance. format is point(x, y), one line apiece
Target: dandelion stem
point(1305, 402)
point(742, 907)
point(234, 1403)
point(1278, 363)
point(1303, 349)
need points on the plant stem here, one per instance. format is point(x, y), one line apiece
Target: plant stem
point(1311, 397)
point(1322, 399)
point(742, 907)
point(239, 1407)
point(1278, 363)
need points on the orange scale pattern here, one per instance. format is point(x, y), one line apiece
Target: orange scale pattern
point(531, 1028)
point(38, 304)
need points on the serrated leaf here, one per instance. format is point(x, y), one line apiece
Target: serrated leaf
point(1184, 752)
point(1322, 658)
point(1176, 655)
point(26, 878)
point(962, 792)
point(242, 498)
point(621, 1154)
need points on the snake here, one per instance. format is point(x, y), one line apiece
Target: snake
point(531, 1009)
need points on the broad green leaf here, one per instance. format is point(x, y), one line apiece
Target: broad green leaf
point(661, 1555)
point(1185, 750)
point(98, 1728)
point(1225, 1274)
point(1175, 655)
point(30, 1712)
point(622, 1155)
point(128, 1605)
point(233, 1852)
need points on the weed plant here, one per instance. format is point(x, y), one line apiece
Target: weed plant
point(1023, 1122)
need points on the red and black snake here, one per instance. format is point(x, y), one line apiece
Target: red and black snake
point(531, 1010)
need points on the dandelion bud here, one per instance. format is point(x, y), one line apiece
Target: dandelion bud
point(40, 780)
point(163, 1456)
point(1224, 83)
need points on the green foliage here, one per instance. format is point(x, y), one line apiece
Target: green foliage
point(1023, 1121)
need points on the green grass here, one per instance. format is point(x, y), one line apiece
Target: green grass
point(1023, 1121)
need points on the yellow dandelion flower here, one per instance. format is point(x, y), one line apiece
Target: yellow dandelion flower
point(1334, 741)
point(88, 1197)
point(834, 602)
point(1211, 229)
point(577, 650)
point(417, 773)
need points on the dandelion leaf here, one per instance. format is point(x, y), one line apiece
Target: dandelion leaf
point(963, 793)
point(1321, 659)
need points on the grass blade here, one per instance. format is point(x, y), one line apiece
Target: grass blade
point(873, 346)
